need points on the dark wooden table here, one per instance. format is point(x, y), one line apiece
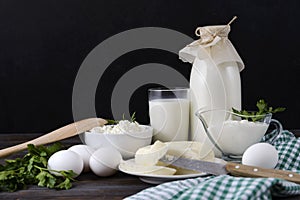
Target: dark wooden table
point(89, 186)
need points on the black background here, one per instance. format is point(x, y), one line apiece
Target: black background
point(43, 43)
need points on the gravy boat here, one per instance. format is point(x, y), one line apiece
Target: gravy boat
point(233, 133)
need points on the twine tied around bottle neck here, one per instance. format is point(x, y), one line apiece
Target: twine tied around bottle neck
point(208, 33)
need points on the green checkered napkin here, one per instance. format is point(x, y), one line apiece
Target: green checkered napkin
point(229, 187)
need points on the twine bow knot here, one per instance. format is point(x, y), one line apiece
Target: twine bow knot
point(207, 35)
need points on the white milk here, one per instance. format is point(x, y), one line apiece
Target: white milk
point(212, 87)
point(234, 137)
point(169, 119)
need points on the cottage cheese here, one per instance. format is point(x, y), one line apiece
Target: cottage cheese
point(234, 137)
point(121, 127)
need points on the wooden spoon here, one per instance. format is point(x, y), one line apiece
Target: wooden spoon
point(59, 134)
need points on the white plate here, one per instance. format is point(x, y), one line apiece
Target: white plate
point(158, 179)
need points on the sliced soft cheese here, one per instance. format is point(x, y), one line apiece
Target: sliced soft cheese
point(147, 158)
point(132, 167)
point(188, 149)
point(150, 155)
point(191, 150)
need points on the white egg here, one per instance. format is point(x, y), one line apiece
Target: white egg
point(261, 155)
point(65, 160)
point(105, 161)
point(85, 152)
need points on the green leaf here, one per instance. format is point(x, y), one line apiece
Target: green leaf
point(54, 148)
point(261, 105)
point(279, 109)
point(66, 184)
point(16, 173)
point(46, 179)
point(43, 154)
point(133, 117)
point(235, 111)
point(5, 175)
point(32, 150)
point(68, 174)
point(111, 121)
point(262, 110)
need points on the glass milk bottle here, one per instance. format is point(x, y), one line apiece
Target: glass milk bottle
point(215, 77)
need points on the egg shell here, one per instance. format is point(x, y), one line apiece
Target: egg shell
point(261, 155)
point(65, 160)
point(104, 161)
point(85, 152)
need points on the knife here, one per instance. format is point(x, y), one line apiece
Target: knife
point(234, 169)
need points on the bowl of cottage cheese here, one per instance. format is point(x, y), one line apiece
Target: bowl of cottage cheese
point(125, 136)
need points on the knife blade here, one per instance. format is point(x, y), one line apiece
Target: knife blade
point(234, 169)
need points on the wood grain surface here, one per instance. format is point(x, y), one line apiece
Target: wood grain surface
point(88, 185)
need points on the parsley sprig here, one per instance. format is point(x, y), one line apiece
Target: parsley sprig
point(113, 122)
point(17, 173)
point(263, 109)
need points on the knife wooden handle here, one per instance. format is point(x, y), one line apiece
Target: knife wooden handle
point(251, 171)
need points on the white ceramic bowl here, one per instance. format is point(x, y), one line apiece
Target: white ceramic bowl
point(126, 143)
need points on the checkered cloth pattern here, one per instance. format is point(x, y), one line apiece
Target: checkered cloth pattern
point(229, 187)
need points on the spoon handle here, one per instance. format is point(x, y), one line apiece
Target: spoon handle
point(57, 135)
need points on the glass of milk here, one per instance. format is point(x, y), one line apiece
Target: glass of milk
point(169, 113)
point(233, 133)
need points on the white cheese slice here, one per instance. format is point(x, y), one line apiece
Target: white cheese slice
point(147, 158)
point(191, 150)
point(150, 155)
point(132, 167)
